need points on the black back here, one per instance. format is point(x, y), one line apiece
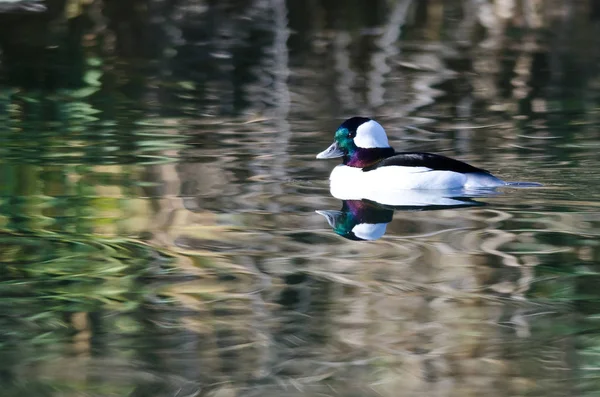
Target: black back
point(429, 160)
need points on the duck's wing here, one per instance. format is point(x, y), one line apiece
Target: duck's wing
point(426, 160)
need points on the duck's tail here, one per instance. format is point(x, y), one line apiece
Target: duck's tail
point(523, 184)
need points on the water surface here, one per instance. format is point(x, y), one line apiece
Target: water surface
point(159, 187)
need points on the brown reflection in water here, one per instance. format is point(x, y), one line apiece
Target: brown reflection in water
point(265, 298)
point(439, 305)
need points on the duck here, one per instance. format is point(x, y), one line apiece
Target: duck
point(372, 168)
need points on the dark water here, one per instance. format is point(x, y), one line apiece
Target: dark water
point(158, 233)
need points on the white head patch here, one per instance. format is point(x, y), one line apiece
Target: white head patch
point(369, 231)
point(371, 135)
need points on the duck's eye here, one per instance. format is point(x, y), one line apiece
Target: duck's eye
point(351, 134)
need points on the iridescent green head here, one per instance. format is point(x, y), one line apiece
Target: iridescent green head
point(360, 141)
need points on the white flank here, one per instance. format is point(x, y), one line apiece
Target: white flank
point(405, 186)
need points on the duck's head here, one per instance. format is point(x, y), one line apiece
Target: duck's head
point(360, 141)
point(359, 220)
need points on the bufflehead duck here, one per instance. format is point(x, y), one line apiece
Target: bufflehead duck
point(370, 164)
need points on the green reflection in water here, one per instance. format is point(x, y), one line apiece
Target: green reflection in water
point(151, 242)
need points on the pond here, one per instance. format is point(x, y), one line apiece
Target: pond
point(166, 229)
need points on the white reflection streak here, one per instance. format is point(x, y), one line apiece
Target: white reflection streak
point(279, 151)
point(347, 77)
point(271, 98)
point(281, 91)
point(388, 48)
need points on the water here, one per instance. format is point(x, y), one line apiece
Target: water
point(158, 224)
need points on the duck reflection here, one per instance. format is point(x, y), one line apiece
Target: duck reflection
point(366, 220)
